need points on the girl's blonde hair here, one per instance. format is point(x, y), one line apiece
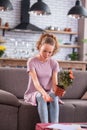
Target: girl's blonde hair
point(48, 39)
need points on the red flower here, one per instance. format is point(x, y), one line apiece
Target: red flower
point(71, 76)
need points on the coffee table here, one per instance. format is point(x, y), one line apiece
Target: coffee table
point(68, 126)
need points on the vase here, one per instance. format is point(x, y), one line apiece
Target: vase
point(59, 91)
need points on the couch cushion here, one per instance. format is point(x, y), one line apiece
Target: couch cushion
point(78, 106)
point(8, 117)
point(8, 98)
point(66, 113)
point(28, 116)
point(84, 96)
point(14, 80)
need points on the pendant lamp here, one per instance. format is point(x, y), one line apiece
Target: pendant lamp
point(77, 11)
point(5, 5)
point(40, 8)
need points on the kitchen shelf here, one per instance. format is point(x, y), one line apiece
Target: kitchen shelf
point(69, 46)
point(3, 27)
point(62, 32)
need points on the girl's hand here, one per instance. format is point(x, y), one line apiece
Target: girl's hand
point(47, 98)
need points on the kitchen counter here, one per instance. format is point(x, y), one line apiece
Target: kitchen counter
point(78, 65)
point(13, 62)
point(8, 62)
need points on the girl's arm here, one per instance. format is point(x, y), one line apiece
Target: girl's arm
point(38, 87)
point(54, 81)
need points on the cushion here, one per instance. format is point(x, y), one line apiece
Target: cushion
point(14, 80)
point(84, 96)
point(8, 98)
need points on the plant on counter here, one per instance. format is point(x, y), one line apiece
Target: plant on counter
point(74, 56)
point(65, 79)
point(84, 40)
point(2, 49)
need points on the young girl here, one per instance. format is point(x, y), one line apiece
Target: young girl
point(43, 72)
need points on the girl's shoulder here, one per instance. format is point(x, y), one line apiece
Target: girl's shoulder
point(54, 64)
point(53, 61)
point(32, 59)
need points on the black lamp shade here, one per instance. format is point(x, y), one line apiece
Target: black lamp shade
point(78, 10)
point(40, 8)
point(5, 5)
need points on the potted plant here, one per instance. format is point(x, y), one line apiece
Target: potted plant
point(73, 56)
point(2, 49)
point(84, 40)
point(65, 79)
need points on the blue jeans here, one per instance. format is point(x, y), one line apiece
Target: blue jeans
point(48, 111)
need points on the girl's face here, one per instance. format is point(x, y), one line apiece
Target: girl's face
point(46, 51)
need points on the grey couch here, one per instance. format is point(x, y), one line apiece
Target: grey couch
point(15, 114)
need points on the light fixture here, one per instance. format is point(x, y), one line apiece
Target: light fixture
point(78, 10)
point(40, 8)
point(5, 5)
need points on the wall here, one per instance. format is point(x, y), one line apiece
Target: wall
point(20, 44)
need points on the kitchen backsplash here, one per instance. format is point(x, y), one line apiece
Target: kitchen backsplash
point(22, 45)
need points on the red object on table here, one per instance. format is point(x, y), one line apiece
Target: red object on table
point(42, 126)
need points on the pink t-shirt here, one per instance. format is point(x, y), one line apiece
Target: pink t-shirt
point(44, 72)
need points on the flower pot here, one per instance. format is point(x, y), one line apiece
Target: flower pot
point(60, 91)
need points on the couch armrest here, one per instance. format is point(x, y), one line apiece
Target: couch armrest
point(8, 98)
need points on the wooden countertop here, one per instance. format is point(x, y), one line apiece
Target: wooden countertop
point(13, 62)
point(24, 59)
point(79, 65)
